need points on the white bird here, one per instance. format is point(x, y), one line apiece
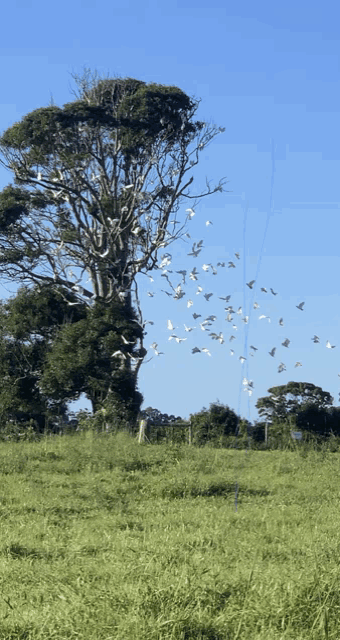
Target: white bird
point(282, 367)
point(273, 292)
point(207, 223)
point(272, 352)
point(205, 267)
point(329, 345)
point(239, 311)
point(245, 319)
point(189, 328)
point(281, 322)
point(256, 306)
point(126, 341)
point(207, 296)
point(199, 290)
point(298, 364)
point(219, 337)
point(250, 284)
point(231, 265)
point(300, 306)
point(286, 343)
point(232, 352)
point(151, 294)
point(128, 186)
point(39, 176)
point(189, 303)
point(242, 359)
point(170, 325)
point(205, 350)
point(120, 353)
point(260, 318)
point(202, 324)
point(193, 274)
point(178, 340)
point(316, 339)
point(191, 213)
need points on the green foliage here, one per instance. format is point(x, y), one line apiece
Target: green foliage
point(213, 424)
point(291, 399)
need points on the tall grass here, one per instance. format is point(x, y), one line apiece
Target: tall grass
point(102, 538)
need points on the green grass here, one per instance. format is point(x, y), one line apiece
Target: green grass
point(102, 538)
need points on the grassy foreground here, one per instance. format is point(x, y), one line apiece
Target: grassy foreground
point(102, 538)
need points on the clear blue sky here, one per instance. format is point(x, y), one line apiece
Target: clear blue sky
point(266, 72)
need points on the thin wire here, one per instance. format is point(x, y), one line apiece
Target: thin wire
point(247, 325)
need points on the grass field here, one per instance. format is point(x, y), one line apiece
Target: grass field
point(102, 538)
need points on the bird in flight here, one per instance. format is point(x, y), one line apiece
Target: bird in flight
point(300, 306)
point(272, 352)
point(260, 318)
point(329, 345)
point(231, 265)
point(286, 343)
point(316, 339)
point(273, 292)
point(250, 284)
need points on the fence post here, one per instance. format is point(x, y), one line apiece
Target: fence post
point(190, 432)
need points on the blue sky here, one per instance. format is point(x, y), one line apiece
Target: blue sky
point(268, 73)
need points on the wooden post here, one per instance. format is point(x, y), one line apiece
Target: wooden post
point(266, 434)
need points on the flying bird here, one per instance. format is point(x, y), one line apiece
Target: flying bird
point(227, 298)
point(281, 322)
point(316, 339)
point(329, 345)
point(300, 306)
point(298, 364)
point(250, 284)
point(260, 318)
point(286, 343)
point(242, 359)
point(188, 328)
point(231, 265)
point(189, 303)
point(205, 350)
point(237, 255)
point(191, 213)
point(232, 352)
point(196, 350)
point(207, 223)
point(272, 352)
point(199, 290)
point(273, 292)
point(254, 348)
point(282, 367)
point(256, 306)
point(170, 325)
point(264, 289)
point(196, 315)
point(207, 296)
point(232, 338)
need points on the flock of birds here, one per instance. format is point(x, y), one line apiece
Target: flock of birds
point(177, 293)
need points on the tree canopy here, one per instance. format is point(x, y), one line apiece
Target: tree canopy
point(292, 399)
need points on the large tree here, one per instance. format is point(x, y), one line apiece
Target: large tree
point(292, 399)
point(95, 184)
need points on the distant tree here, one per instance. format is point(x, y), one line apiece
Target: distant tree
point(95, 185)
point(208, 425)
point(157, 418)
point(291, 399)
